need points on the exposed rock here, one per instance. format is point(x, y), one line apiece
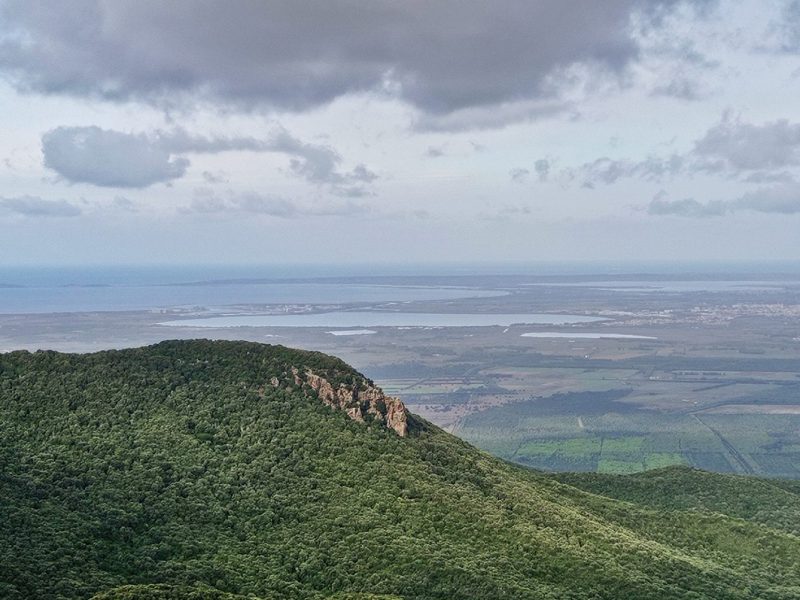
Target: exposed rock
point(296, 374)
point(359, 401)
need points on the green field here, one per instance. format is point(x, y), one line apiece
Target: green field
point(600, 432)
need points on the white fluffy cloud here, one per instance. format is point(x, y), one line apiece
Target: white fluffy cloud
point(126, 160)
point(109, 158)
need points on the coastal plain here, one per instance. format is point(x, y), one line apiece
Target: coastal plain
point(627, 373)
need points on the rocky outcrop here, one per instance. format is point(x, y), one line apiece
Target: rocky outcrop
point(362, 402)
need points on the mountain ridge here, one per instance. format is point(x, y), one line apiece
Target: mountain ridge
point(181, 465)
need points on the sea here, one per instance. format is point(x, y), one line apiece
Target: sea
point(61, 289)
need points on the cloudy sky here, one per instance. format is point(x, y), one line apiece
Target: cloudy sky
point(139, 131)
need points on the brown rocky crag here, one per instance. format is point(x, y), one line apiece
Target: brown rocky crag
point(362, 401)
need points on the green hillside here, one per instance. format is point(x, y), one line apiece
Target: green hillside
point(771, 502)
point(218, 471)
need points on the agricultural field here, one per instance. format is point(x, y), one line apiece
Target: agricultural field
point(606, 433)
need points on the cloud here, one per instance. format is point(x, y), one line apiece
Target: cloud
point(681, 88)
point(769, 177)
point(753, 153)
point(519, 175)
point(676, 64)
point(493, 116)
point(445, 58)
point(319, 164)
point(207, 201)
point(362, 174)
point(215, 177)
point(542, 167)
point(781, 199)
point(180, 141)
point(788, 27)
point(450, 149)
point(434, 152)
point(607, 171)
point(124, 204)
point(476, 147)
point(512, 210)
point(33, 206)
point(108, 158)
point(737, 146)
point(688, 207)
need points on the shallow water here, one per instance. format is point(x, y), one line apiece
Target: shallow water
point(382, 319)
point(587, 336)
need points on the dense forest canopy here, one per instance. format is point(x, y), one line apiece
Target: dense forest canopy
point(205, 470)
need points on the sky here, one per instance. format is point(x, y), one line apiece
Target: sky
point(358, 131)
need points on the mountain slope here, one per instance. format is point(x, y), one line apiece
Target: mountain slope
point(773, 503)
point(221, 467)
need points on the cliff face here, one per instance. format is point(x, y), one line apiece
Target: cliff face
point(358, 401)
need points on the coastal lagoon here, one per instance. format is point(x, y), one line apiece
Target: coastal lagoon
point(348, 332)
point(587, 336)
point(383, 319)
point(673, 286)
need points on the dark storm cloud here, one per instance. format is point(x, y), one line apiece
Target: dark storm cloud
point(126, 160)
point(493, 116)
point(33, 206)
point(446, 58)
point(780, 199)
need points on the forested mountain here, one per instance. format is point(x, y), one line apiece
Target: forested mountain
point(229, 470)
